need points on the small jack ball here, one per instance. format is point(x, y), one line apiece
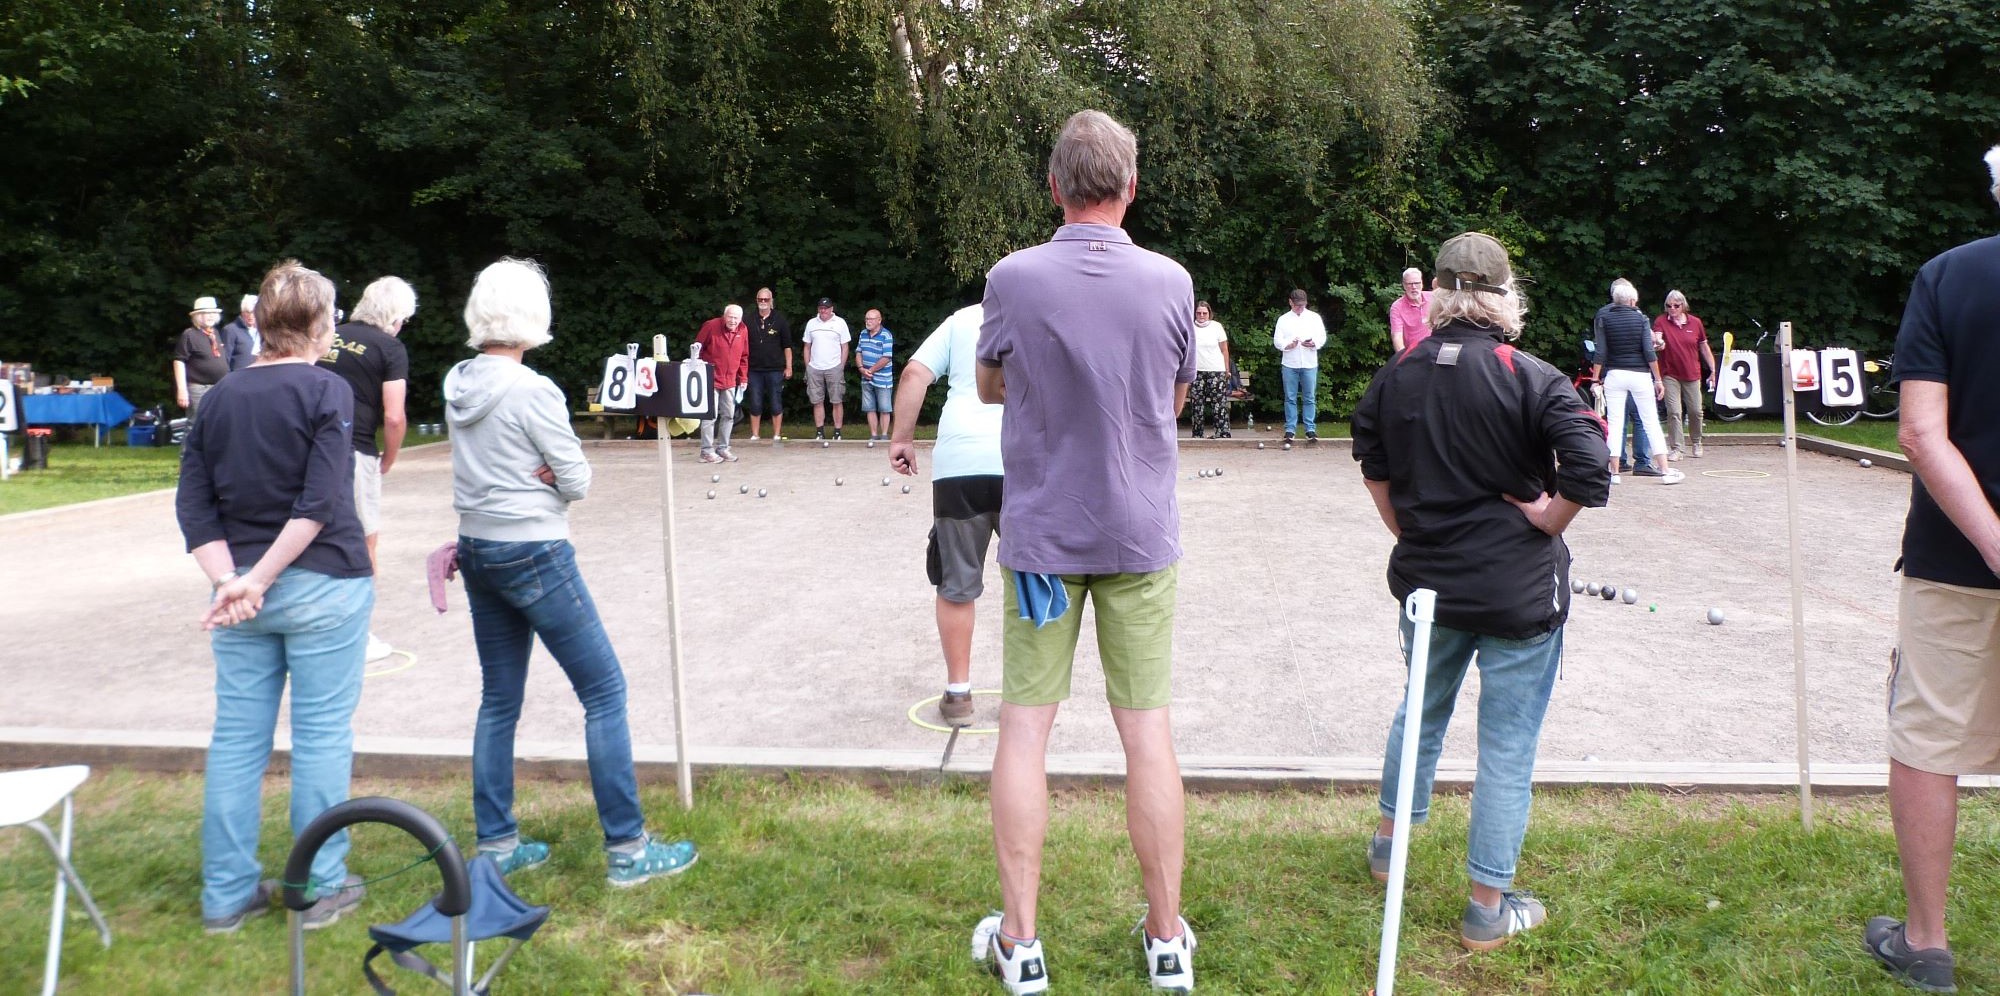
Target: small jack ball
point(743, 489)
point(1715, 617)
point(711, 494)
point(1610, 593)
point(1655, 607)
point(1865, 462)
point(906, 489)
point(1592, 588)
point(715, 478)
point(1631, 596)
point(761, 492)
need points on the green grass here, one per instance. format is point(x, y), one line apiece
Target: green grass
point(826, 887)
point(80, 472)
point(1877, 433)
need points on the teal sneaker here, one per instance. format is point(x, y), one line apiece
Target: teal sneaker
point(525, 854)
point(654, 860)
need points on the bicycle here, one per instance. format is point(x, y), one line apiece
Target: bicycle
point(1882, 399)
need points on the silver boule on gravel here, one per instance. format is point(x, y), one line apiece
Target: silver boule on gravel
point(1630, 595)
point(885, 482)
point(906, 489)
point(761, 492)
point(1865, 462)
point(1575, 586)
point(1217, 473)
point(1610, 593)
point(743, 489)
point(715, 478)
point(1591, 588)
point(711, 494)
point(838, 481)
point(1715, 617)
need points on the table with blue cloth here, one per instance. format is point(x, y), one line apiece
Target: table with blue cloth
point(99, 411)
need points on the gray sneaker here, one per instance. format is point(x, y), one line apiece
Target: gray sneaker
point(1378, 857)
point(1929, 970)
point(257, 905)
point(333, 905)
point(1482, 931)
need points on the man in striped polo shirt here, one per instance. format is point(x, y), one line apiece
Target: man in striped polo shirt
point(874, 357)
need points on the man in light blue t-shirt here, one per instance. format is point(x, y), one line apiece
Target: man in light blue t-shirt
point(965, 495)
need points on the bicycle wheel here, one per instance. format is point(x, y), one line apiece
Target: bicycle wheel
point(1884, 401)
point(1730, 415)
point(1836, 416)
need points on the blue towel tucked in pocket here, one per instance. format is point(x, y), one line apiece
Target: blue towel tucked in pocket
point(1043, 597)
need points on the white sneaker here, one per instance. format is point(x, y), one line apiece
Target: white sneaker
point(1170, 963)
point(1674, 475)
point(1697, 449)
point(1615, 479)
point(1022, 971)
point(378, 648)
point(1674, 454)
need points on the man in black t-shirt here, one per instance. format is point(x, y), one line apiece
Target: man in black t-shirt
point(770, 364)
point(1944, 677)
point(368, 356)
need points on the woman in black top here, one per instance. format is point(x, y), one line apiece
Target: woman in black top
point(266, 503)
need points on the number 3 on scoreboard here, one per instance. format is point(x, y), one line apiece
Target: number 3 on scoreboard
point(1738, 386)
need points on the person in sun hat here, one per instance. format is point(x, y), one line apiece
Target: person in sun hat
point(199, 362)
point(1944, 676)
point(1477, 456)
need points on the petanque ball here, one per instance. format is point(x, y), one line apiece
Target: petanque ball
point(906, 489)
point(885, 482)
point(1630, 595)
point(838, 481)
point(1575, 586)
point(824, 443)
point(1218, 472)
point(1592, 588)
point(715, 478)
point(1260, 446)
point(711, 494)
point(743, 489)
point(760, 492)
point(1610, 593)
point(1715, 617)
point(1288, 446)
point(1865, 462)
point(1201, 473)
point(871, 444)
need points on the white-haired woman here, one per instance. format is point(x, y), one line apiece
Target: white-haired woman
point(266, 503)
point(516, 466)
point(1684, 354)
point(1630, 372)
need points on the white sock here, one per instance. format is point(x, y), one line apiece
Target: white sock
point(959, 687)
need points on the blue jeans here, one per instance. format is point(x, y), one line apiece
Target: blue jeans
point(519, 591)
point(1515, 680)
point(1302, 391)
point(314, 630)
point(878, 398)
point(1642, 454)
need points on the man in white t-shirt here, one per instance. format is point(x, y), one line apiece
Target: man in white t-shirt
point(1209, 398)
point(1299, 336)
point(965, 488)
point(826, 338)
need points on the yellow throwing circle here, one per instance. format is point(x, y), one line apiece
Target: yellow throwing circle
point(1735, 475)
point(409, 661)
point(921, 703)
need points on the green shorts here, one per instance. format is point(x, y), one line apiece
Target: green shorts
point(1135, 640)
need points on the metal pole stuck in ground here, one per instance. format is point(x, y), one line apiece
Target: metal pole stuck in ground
point(683, 772)
point(1799, 707)
point(1420, 609)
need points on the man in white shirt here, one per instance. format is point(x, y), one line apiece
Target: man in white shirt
point(826, 338)
point(965, 489)
point(1299, 335)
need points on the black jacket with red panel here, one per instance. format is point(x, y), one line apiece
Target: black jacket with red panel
point(1453, 424)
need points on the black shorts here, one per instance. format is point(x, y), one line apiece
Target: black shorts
point(966, 515)
point(765, 394)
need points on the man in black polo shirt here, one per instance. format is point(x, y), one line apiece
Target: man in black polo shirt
point(1478, 456)
point(1944, 679)
point(770, 364)
point(368, 356)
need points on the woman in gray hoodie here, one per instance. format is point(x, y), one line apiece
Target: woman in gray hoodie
point(516, 465)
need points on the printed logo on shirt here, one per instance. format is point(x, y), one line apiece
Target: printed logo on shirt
point(343, 346)
point(1448, 354)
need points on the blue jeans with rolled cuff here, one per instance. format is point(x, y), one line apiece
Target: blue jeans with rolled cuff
point(1302, 398)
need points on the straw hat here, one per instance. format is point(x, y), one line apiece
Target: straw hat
point(204, 306)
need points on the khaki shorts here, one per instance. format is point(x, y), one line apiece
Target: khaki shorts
point(826, 385)
point(1944, 680)
point(1135, 640)
point(368, 492)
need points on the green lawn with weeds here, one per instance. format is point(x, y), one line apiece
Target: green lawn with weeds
point(811, 886)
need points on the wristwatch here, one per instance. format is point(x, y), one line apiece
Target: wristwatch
point(217, 584)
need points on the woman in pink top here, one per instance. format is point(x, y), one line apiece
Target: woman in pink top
point(1684, 353)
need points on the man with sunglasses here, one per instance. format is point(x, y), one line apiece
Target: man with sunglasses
point(770, 365)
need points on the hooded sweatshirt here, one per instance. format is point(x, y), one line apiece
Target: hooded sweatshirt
point(506, 421)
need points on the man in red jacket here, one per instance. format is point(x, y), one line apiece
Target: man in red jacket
point(726, 349)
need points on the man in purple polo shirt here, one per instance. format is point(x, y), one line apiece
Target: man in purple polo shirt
point(1089, 342)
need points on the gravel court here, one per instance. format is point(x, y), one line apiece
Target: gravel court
point(807, 620)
